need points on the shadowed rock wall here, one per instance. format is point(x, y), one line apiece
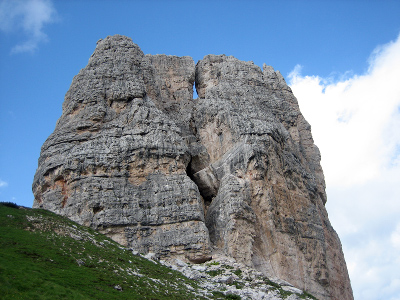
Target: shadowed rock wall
point(235, 171)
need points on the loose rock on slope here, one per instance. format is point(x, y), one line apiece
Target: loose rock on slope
point(235, 171)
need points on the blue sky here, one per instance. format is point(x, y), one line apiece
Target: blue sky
point(342, 59)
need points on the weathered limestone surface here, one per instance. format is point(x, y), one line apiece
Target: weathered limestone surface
point(234, 172)
point(268, 192)
point(116, 162)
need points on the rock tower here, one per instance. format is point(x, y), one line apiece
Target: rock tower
point(234, 171)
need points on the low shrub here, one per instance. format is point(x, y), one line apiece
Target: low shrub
point(9, 204)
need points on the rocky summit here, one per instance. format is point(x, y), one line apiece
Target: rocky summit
point(234, 172)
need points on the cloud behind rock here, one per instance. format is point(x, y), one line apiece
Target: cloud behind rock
point(355, 124)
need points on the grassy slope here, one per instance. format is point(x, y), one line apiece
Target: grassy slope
point(46, 256)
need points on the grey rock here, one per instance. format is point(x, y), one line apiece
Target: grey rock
point(151, 256)
point(199, 268)
point(118, 287)
point(264, 183)
point(192, 274)
point(80, 262)
point(117, 163)
point(226, 279)
point(180, 263)
point(235, 171)
point(291, 289)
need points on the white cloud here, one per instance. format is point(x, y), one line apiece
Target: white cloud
point(3, 183)
point(30, 16)
point(395, 237)
point(355, 122)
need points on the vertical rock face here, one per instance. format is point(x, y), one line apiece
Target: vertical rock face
point(267, 189)
point(235, 171)
point(116, 162)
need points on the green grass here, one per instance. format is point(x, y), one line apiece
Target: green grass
point(233, 297)
point(227, 267)
point(220, 295)
point(306, 295)
point(214, 273)
point(238, 285)
point(39, 255)
point(46, 256)
point(238, 272)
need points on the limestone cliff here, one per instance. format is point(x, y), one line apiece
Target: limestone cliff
point(235, 171)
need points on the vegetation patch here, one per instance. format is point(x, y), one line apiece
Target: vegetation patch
point(220, 295)
point(214, 273)
point(306, 295)
point(10, 204)
point(46, 256)
point(284, 293)
point(228, 267)
point(233, 297)
point(271, 283)
point(238, 285)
